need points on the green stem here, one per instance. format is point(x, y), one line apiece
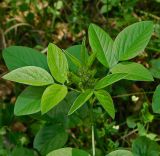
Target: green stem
point(93, 141)
point(92, 126)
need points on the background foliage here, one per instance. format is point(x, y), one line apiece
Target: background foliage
point(36, 23)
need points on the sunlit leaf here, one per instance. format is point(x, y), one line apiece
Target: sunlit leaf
point(52, 96)
point(120, 153)
point(30, 75)
point(68, 152)
point(109, 79)
point(101, 44)
point(135, 71)
point(106, 101)
point(81, 99)
point(57, 63)
point(132, 40)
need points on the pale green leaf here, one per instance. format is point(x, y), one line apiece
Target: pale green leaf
point(109, 79)
point(57, 63)
point(101, 43)
point(81, 99)
point(120, 153)
point(106, 101)
point(91, 60)
point(135, 71)
point(132, 40)
point(83, 52)
point(68, 152)
point(28, 102)
point(52, 96)
point(156, 100)
point(19, 56)
point(30, 75)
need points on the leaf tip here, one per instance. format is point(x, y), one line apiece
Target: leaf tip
point(70, 112)
point(4, 77)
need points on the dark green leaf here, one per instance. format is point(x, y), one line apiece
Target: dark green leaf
point(28, 102)
point(49, 138)
point(19, 151)
point(59, 113)
point(155, 68)
point(143, 146)
point(156, 100)
point(19, 56)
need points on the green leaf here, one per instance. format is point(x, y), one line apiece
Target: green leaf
point(156, 100)
point(73, 60)
point(91, 59)
point(49, 138)
point(109, 79)
point(135, 71)
point(83, 52)
point(106, 101)
point(52, 96)
point(74, 56)
point(143, 146)
point(22, 151)
point(131, 121)
point(132, 40)
point(146, 116)
point(30, 75)
point(19, 56)
point(81, 99)
point(59, 113)
point(120, 153)
point(57, 63)
point(101, 43)
point(28, 102)
point(68, 152)
point(155, 68)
